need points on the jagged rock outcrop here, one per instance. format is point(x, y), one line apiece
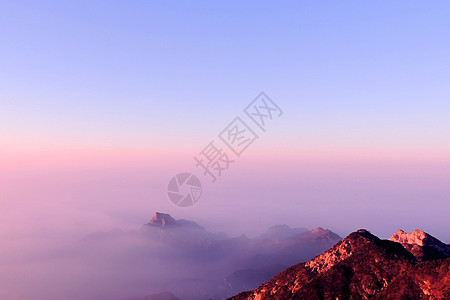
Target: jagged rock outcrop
point(422, 245)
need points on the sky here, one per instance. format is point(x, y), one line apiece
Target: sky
point(103, 102)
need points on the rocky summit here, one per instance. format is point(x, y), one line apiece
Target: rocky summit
point(422, 245)
point(362, 266)
point(161, 220)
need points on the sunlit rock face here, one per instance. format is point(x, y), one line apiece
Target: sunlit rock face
point(417, 237)
point(422, 245)
point(362, 266)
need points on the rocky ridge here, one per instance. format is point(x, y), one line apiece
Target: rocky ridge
point(362, 266)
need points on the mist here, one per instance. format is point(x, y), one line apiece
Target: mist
point(76, 234)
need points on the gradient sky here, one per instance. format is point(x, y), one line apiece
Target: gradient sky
point(102, 102)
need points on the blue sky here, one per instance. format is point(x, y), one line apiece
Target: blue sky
point(356, 80)
point(87, 68)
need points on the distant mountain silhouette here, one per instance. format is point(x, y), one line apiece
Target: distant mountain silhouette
point(408, 266)
point(208, 265)
point(280, 232)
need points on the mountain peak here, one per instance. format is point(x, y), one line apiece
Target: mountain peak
point(281, 231)
point(361, 235)
point(417, 237)
point(318, 229)
point(362, 266)
point(162, 219)
point(340, 251)
point(421, 244)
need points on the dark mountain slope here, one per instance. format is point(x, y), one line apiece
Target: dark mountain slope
point(360, 267)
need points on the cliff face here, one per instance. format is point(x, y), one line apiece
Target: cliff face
point(361, 267)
